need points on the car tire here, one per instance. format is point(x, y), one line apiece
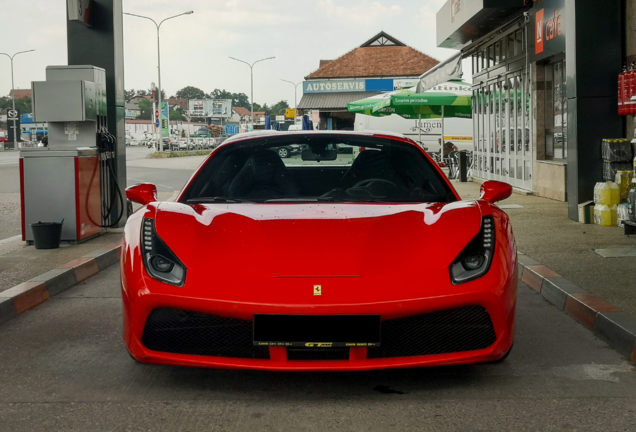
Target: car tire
point(283, 152)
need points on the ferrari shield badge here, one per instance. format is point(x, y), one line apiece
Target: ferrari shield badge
point(317, 289)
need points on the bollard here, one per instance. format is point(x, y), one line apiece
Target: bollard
point(463, 166)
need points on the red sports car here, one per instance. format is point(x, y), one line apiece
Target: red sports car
point(325, 260)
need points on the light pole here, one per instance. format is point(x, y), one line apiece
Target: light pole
point(295, 87)
point(160, 140)
point(15, 133)
point(252, 80)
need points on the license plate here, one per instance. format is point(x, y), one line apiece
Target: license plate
point(317, 331)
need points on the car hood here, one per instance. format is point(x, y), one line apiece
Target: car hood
point(324, 240)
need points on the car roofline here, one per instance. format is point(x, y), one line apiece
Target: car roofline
point(246, 136)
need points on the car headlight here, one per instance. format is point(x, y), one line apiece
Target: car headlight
point(474, 261)
point(160, 262)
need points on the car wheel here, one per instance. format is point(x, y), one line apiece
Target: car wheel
point(283, 152)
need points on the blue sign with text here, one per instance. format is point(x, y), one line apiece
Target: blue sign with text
point(231, 129)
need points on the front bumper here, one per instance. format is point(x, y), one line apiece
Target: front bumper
point(499, 313)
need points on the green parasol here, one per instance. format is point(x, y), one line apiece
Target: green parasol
point(450, 99)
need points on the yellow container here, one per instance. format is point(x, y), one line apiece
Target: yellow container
point(624, 182)
point(605, 215)
point(609, 194)
point(597, 192)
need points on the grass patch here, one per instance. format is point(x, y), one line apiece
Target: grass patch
point(173, 154)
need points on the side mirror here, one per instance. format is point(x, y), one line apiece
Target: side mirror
point(493, 191)
point(143, 193)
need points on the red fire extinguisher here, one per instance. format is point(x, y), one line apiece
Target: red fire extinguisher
point(630, 85)
point(621, 91)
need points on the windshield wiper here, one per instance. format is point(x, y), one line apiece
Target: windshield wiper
point(282, 200)
point(204, 200)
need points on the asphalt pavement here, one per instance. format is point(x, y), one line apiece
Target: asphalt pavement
point(65, 367)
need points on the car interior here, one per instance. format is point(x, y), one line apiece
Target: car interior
point(380, 170)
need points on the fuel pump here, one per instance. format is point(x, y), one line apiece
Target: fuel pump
point(72, 179)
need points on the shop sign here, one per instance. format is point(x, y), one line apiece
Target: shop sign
point(548, 23)
point(165, 118)
point(80, 11)
point(290, 113)
point(334, 86)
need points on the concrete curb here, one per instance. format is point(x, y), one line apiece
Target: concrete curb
point(39, 289)
point(606, 321)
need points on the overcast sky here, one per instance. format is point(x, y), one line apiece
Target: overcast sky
point(195, 48)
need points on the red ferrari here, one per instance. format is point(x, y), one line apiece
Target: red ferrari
point(355, 253)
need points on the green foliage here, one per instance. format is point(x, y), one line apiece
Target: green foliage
point(279, 108)
point(238, 99)
point(23, 105)
point(176, 115)
point(146, 109)
point(190, 92)
point(129, 94)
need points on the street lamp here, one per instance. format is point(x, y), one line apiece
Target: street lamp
point(15, 133)
point(160, 140)
point(295, 87)
point(252, 80)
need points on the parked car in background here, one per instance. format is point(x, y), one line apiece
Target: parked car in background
point(287, 151)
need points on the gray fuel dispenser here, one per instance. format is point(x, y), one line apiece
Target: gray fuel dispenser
point(69, 179)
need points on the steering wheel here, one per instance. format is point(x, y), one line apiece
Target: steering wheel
point(370, 182)
point(370, 188)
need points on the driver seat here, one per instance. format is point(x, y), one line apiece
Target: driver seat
point(370, 164)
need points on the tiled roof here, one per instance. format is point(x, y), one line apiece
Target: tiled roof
point(181, 102)
point(241, 111)
point(380, 56)
point(21, 93)
point(332, 100)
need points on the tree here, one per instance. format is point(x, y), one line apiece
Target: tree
point(279, 107)
point(23, 105)
point(129, 94)
point(190, 92)
point(146, 109)
point(176, 115)
point(238, 99)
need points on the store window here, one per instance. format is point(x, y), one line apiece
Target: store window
point(556, 111)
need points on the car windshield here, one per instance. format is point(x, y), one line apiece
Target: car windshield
point(318, 168)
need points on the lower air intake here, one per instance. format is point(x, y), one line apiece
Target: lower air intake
point(184, 332)
point(454, 330)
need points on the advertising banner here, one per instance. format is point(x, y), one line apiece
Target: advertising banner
point(13, 124)
point(165, 117)
point(334, 86)
point(219, 108)
point(547, 22)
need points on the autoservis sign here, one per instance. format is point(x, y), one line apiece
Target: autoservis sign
point(547, 20)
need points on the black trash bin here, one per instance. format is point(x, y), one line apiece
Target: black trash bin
point(47, 235)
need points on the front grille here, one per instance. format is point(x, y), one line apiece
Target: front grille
point(185, 332)
point(454, 330)
point(318, 354)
